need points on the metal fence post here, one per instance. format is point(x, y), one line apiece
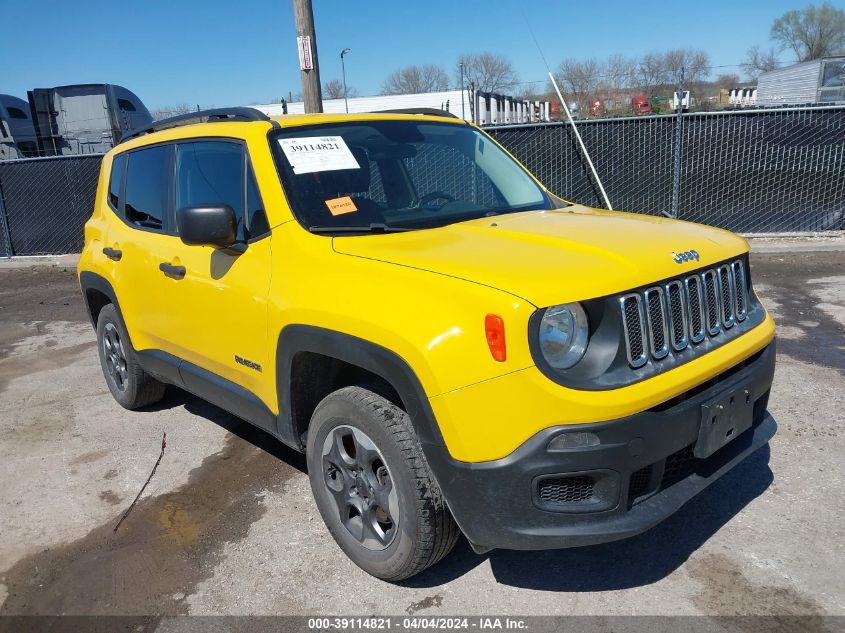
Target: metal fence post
point(679, 126)
point(7, 237)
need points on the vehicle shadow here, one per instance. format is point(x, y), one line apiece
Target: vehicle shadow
point(637, 561)
point(634, 562)
point(176, 397)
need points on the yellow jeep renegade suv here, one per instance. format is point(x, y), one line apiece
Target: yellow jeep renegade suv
point(455, 349)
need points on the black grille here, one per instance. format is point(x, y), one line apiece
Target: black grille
point(656, 321)
point(727, 305)
point(640, 483)
point(739, 286)
point(566, 489)
point(675, 298)
point(695, 319)
point(711, 301)
point(634, 329)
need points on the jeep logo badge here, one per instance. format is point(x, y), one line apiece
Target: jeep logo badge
point(686, 256)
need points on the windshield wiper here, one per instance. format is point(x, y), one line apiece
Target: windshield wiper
point(371, 228)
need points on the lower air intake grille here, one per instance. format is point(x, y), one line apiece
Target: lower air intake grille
point(566, 489)
point(640, 483)
point(678, 466)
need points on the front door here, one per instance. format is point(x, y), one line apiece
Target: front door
point(217, 298)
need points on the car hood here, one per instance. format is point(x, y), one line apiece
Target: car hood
point(550, 257)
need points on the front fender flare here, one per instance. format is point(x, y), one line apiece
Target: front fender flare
point(374, 358)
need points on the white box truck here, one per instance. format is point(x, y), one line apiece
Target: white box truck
point(816, 81)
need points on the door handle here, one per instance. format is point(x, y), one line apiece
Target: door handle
point(113, 253)
point(178, 272)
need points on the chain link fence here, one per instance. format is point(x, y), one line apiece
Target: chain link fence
point(45, 202)
point(751, 171)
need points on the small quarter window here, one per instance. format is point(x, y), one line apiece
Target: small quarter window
point(116, 181)
point(126, 105)
point(258, 224)
point(16, 113)
point(147, 184)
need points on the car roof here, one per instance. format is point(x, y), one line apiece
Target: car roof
point(243, 124)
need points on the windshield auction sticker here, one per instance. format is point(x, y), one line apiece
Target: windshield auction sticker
point(341, 206)
point(318, 153)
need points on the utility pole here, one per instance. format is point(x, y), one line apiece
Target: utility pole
point(343, 66)
point(463, 114)
point(678, 149)
point(309, 67)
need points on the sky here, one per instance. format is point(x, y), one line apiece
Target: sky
point(219, 53)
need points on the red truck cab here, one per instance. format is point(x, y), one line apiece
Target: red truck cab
point(640, 105)
point(598, 107)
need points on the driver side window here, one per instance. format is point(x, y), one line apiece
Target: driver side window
point(212, 172)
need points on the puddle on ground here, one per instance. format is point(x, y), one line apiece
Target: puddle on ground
point(812, 332)
point(727, 592)
point(56, 358)
point(166, 546)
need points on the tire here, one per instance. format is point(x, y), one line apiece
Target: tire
point(130, 385)
point(355, 430)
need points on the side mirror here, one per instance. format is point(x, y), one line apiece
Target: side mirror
point(207, 225)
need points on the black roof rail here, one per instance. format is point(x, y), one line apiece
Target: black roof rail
point(429, 111)
point(217, 114)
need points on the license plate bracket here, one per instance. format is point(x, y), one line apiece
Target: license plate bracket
point(723, 419)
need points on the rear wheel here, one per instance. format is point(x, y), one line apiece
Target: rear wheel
point(373, 486)
point(130, 385)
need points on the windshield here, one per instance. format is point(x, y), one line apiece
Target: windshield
point(394, 175)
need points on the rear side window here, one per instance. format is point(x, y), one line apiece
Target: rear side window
point(126, 105)
point(147, 184)
point(116, 181)
point(211, 172)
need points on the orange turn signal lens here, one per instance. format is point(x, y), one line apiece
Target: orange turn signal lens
point(494, 326)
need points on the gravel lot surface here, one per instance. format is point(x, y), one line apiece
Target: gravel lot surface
point(227, 525)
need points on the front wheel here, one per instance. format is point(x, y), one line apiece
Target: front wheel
point(373, 486)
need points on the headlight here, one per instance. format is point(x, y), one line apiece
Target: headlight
point(564, 332)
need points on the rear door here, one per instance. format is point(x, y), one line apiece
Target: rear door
point(143, 239)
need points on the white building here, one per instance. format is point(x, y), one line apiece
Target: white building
point(480, 107)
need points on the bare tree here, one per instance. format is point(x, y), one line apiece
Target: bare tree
point(620, 72)
point(165, 112)
point(415, 79)
point(813, 32)
point(727, 81)
point(651, 73)
point(688, 65)
point(487, 72)
point(758, 61)
point(580, 79)
point(334, 90)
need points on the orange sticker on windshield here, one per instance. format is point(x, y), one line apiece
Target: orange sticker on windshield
point(339, 206)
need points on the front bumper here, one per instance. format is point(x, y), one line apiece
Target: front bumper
point(643, 469)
